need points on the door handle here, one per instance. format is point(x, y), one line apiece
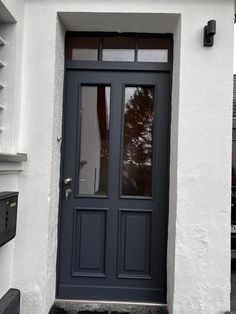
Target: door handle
point(68, 181)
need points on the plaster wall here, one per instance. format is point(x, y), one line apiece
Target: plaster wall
point(7, 77)
point(11, 29)
point(11, 18)
point(199, 220)
point(8, 182)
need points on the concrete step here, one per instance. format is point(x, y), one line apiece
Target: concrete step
point(87, 307)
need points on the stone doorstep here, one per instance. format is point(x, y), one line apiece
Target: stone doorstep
point(80, 307)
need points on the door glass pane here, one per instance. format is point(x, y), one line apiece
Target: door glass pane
point(94, 140)
point(138, 141)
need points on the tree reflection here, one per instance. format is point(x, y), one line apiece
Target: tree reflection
point(137, 145)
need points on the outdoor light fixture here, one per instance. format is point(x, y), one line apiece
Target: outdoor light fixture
point(209, 32)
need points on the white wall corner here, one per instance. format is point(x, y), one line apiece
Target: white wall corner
point(173, 190)
point(55, 169)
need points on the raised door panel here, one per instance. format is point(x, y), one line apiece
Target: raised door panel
point(89, 245)
point(135, 237)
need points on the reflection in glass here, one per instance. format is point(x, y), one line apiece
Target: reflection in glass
point(83, 47)
point(118, 55)
point(153, 49)
point(84, 54)
point(118, 48)
point(153, 42)
point(137, 141)
point(152, 55)
point(94, 140)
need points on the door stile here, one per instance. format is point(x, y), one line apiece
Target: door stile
point(114, 171)
point(67, 206)
point(115, 140)
point(161, 173)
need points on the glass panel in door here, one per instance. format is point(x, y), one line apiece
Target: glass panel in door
point(138, 141)
point(94, 140)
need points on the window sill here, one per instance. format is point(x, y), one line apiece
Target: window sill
point(12, 163)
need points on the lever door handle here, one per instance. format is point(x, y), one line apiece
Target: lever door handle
point(68, 181)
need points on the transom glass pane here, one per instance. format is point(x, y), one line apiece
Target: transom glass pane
point(117, 55)
point(145, 42)
point(119, 42)
point(152, 49)
point(94, 141)
point(83, 48)
point(151, 55)
point(138, 141)
point(118, 48)
point(83, 54)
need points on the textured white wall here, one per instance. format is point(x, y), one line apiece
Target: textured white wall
point(11, 13)
point(7, 77)
point(8, 182)
point(199, 228)
point(202, 254)
point(11, 54)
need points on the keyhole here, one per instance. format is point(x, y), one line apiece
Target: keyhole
point(6, 222)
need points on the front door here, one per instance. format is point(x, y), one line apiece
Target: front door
point(114, 195)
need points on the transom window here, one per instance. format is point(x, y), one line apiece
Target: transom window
point(118, 47)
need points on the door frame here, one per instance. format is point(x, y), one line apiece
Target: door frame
point(73, 65)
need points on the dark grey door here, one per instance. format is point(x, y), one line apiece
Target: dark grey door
point(113, 222)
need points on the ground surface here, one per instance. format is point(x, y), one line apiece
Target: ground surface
point(87, 308)
point(61, 307)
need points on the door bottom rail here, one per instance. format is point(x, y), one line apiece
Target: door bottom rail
point(87, 307)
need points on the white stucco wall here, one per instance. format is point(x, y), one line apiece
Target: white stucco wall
point(11, 29)
point(11, 25)
point(199, 220)
point(8, 182)
point(204, 169)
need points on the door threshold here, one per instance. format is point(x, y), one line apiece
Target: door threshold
point(109, 302)
point(106, 307)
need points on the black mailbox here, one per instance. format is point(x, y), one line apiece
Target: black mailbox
point(8, 215)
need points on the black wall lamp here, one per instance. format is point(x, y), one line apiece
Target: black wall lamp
point(209, 33)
